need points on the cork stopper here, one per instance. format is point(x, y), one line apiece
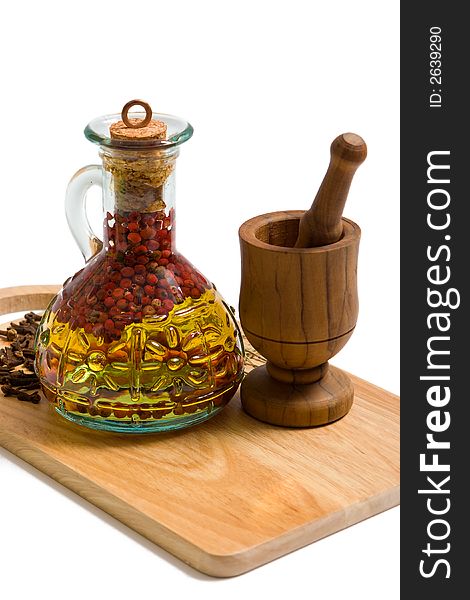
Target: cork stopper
point(138, 129)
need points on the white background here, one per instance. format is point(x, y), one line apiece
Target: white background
point(267, 86)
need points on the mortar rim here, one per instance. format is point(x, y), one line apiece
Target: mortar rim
point(248, 229)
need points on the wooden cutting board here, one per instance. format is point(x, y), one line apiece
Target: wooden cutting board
point(230, 494)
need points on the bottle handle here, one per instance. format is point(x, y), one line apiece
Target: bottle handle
point(75, 209)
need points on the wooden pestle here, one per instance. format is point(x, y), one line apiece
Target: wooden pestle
point(321, 224)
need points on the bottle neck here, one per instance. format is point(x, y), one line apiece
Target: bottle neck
point(139, 203)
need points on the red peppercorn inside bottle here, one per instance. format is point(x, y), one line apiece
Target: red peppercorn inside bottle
point(138, 340)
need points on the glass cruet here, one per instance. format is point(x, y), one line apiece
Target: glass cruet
point(138, 340)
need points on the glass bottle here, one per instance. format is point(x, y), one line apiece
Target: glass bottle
point(138, 340)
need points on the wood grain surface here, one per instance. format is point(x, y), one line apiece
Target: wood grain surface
point(304, 297)
point(228, 495)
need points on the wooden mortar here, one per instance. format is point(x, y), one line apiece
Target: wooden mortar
point(298, 300)
point(298, 308)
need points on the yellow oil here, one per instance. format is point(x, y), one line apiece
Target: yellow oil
point(162, 370)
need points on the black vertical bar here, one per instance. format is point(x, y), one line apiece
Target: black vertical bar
point(434, 119)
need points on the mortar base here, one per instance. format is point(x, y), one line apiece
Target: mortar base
point(294, 405)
